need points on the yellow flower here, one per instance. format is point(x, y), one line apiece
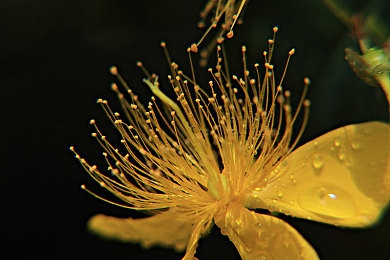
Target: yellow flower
point(211, 158)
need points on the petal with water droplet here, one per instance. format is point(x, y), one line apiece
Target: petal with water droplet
point(258, 236)
point(352, 187)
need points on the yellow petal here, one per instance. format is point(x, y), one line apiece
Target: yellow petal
point(166, 229)
point(258, 236)
point(340, 178)
point(198, 230)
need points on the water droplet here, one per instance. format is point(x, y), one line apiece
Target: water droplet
point(317, 161)
point(337, 142)
point(280, 194)
point(356, 144)
point(292, 178)
point(347, 164)
point(315, 143)
point(327, 200)
point(342, 155)
point(366, 131)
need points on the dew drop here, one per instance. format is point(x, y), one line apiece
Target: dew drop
point(280, 194)
point(317, 161)
point(347, 164)
point(341, 155)
point(356, 144)
point(292, 178)
point(337, 142)
point(366, 131)
point(327, 200)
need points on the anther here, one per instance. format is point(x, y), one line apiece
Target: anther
point(220, 40)
point(306, 103)
point(306, 81)
point(114, 87)
point(114, 70)
point(194, 47)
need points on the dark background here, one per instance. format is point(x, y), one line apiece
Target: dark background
point(55, 57)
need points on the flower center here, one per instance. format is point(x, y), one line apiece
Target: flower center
point(218, 187)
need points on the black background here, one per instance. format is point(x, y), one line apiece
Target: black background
point(55, 57)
